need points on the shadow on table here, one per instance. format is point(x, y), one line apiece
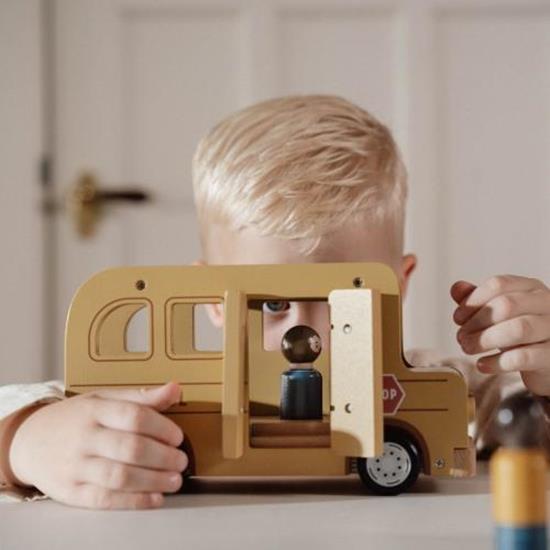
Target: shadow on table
point(250, 490)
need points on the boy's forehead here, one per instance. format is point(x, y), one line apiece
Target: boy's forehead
point(351, 243)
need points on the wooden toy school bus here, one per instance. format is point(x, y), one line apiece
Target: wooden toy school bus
point(382, 418)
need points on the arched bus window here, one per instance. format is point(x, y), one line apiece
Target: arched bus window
point(137, 331)
point(122, 331)
point(194, 328)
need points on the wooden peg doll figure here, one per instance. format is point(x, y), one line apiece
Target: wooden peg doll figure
point(518, 476)
point(302, 384)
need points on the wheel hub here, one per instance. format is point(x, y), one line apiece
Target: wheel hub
point(392, 467)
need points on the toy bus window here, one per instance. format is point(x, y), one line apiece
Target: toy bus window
point(280, 315)
point(208, 336)
point(137, 332)
point(193, 328)
point(122, 331)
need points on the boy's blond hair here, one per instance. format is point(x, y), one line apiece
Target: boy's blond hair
point(299, 167)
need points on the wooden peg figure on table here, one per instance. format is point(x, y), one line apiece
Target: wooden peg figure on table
point(518, 476)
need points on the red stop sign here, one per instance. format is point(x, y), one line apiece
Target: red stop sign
point(393, 393)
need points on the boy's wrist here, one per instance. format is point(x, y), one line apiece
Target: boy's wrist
point(8, 429)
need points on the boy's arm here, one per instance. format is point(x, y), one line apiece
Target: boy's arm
point(17, 403)
point(8, 427)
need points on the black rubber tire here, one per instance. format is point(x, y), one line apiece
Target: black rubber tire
point(408, 444)
point(189, 484)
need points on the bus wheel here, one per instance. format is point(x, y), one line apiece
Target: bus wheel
point(395, 470)
point(189, 484)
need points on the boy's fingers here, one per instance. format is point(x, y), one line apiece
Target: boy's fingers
point(522, 358)
point(525, 329)
point(92, 496)
point(507, 306)
point(491, 288)
point(136, 449)
point(137, 418)
point(159, 398)
point(460, 290)
point(117, 476)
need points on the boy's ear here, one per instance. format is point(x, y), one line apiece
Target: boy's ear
point(214, 311)
point(408, 265)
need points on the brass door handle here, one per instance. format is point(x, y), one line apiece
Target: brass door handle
point(86, 200)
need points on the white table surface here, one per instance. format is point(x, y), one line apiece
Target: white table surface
point(297, 513)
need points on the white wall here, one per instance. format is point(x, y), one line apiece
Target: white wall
point(464, 85)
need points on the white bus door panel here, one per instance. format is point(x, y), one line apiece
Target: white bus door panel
point(356, 418)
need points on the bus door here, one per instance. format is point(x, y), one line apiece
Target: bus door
point(356, 417)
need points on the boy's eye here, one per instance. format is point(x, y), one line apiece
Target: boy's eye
point(276, 307)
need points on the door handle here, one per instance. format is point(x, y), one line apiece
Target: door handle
point(86, 201)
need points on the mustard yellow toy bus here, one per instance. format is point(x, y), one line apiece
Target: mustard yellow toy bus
point(381, 417)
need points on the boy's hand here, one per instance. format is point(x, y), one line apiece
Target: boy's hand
point(512, 315)
point(103, 449)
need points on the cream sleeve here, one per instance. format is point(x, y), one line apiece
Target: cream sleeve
point(15, 398)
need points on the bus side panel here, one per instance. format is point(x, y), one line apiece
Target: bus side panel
point(435, 403)
point(204, 432)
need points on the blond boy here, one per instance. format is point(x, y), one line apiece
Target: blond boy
point(297, 179)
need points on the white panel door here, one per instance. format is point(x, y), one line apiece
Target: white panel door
point(22, 238)
point(464, 86)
